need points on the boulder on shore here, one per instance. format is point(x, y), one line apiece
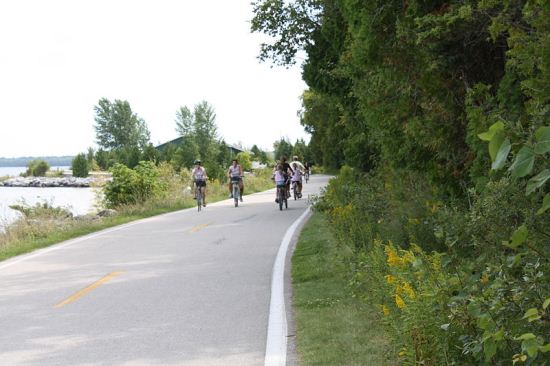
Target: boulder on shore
point(47, 182)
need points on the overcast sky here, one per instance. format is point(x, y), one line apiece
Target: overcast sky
point(58, 58)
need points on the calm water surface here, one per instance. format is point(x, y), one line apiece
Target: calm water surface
point(78, 200)
point(14, 171)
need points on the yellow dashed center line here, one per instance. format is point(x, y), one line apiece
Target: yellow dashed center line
point(199, 227)
point(86, 290)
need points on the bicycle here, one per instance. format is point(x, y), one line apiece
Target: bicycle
point(295, 189)
point(282, 197)
point(236, 190)
point(199, 197)
point(306, 175)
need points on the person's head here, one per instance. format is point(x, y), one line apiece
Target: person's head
point(283, 159)
point(280, 167)
point(234, 162)
point(197, 162)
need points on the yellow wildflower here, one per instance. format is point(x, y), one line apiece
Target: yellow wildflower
point(518, 357)
point(408, 290)
point(484, 279)
point(390, 279)
point(399, 302)
point(408, 257)
point(385, 310)
point(393, 257)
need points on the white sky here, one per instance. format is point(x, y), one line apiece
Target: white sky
point(59, 57)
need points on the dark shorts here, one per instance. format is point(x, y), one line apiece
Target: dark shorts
point(283, 185)
point(200, 183)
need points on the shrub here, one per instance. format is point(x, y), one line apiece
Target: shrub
point(130, 186)
point(457, 284)
point(79, 166)
point(245, 160)
point(37, 168)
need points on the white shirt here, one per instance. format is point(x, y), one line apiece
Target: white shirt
point(235, 171)
point(199, 173)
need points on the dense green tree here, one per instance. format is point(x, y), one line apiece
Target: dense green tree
point(187, 152)
point(206, 130)
point(102, 157)
point(118, 127)
point(255, 150)
point(259, 155)
point(200, 141)
point(90, 156)
point(435, 97)
point(184, 122)
point(80, 166)
point(150, 153)
point(282, 148)
point(224, 154)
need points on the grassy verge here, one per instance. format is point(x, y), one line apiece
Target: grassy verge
point(46, 227)
point(332, 327)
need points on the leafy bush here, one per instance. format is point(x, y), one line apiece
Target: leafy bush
point(79, 166)
point(130, 186)
point(245, 160)
point(37, 168)
point(458, 284)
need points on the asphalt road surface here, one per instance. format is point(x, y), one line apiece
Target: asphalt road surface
point(185, 288)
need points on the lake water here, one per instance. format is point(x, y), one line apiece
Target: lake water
point(14, 171)
point(79, 201)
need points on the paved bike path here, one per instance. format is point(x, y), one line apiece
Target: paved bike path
point(184, 288)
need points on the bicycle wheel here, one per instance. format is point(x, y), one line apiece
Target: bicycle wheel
point(199, 200)
point(236, 193)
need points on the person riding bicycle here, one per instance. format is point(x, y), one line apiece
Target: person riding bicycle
point(297, 177)
point(235, 173)
point(280, 179)
point(300, 165)
point(287, 171)
point(307, 167)
point(199, 179)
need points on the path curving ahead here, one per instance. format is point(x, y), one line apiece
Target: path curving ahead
point(184, 288)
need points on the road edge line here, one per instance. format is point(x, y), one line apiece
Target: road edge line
point(276, 344)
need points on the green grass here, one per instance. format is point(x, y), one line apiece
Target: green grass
point(332, 327)
point(24, 236)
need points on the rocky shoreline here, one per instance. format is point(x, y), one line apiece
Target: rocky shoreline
point(48, 182)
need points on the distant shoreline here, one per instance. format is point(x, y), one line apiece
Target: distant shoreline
point(24, 161)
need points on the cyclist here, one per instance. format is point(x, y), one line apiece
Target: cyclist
point(295, 160)
point(280, 179)
point(287, 171)
point(297, 177)
point(199, 179)
point(235, 172)
point(307, 167)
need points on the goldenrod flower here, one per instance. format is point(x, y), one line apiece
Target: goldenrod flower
point(484, 279)
point(390, 279)
point(408, 290)
point(408, 257)
point(385, 310)
point(399, 302)
point(393, 257)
